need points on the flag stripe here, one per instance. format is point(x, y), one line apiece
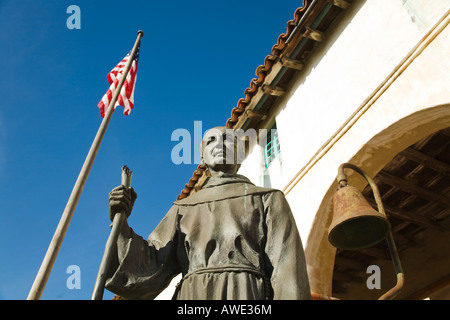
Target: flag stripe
point(126, 96)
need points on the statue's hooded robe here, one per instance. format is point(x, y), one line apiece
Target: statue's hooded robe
point(230, 240)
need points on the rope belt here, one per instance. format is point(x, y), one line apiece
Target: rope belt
point(229, 268)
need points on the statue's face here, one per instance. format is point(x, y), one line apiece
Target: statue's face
point(219, 150)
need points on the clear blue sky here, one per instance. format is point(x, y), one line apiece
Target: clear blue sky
point(197, 58)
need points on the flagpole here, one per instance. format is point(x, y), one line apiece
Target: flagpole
point(58, 237)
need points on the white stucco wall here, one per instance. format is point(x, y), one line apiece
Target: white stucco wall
point(366, 45)
point(368, 42)
point(383, 50)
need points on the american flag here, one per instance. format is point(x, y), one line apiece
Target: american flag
point(126, 97)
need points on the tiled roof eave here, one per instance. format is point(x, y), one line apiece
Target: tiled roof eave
point(262, 71)
point(308, 25)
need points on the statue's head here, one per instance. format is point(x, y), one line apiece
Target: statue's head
point(221, 150)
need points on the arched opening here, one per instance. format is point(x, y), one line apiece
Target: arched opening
point(415, 189)
point(343, 274)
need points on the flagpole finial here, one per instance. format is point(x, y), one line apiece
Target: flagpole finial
point(141, 32)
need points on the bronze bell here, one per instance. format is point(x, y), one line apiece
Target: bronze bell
point(355, 223)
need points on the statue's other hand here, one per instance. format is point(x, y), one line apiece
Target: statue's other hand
point(121, 199)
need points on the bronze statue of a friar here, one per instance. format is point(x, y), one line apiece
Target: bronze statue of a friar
point(230, 240)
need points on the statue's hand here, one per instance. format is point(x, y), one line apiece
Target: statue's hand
point(121, 199)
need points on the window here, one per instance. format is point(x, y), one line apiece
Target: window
point(272, 148)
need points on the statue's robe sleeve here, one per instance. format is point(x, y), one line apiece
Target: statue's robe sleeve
point(289, 278)
point(144, 268)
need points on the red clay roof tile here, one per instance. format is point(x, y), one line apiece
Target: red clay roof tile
point(261, 72)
